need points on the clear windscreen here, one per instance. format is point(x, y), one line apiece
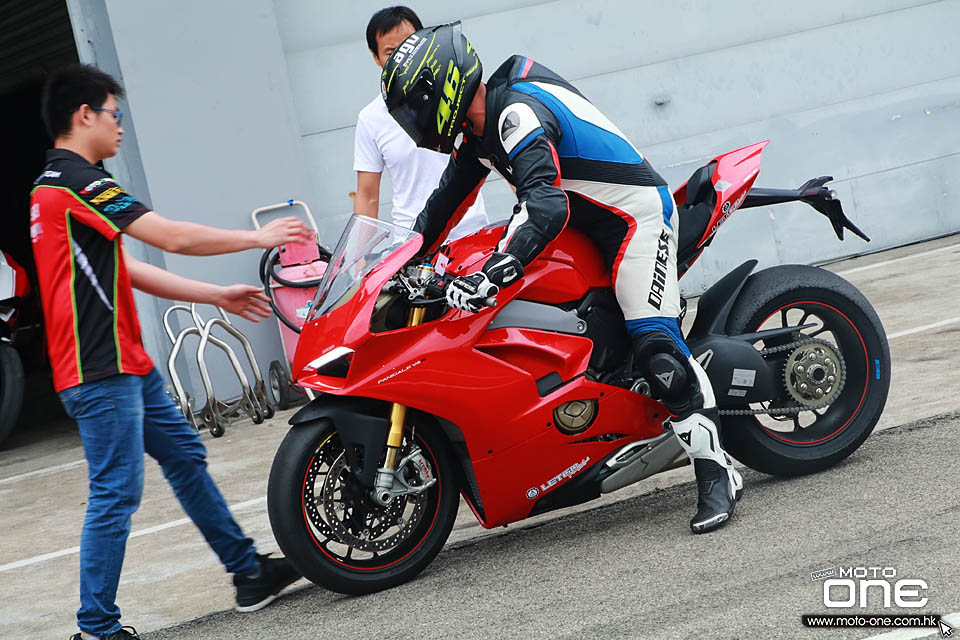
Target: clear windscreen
point(365, 243)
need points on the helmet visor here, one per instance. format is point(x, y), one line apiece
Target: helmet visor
point(409, 120)
point(417, 115)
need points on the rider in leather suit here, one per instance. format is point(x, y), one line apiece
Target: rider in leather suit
point(569, 165)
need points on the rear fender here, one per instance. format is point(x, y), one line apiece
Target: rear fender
point(737, 371)
point(717, 301)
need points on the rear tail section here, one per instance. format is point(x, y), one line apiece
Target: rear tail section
point(723, 185)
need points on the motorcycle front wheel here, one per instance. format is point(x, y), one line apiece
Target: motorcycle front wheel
point(847, 343)
point(333, 532)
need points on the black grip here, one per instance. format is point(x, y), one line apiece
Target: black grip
point(437, 287)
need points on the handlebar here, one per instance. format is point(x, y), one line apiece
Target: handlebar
point(437, 290)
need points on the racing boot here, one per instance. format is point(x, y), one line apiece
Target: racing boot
point(719, 485)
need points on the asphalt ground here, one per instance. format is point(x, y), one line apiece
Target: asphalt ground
point(632, 569)
point(622, 566)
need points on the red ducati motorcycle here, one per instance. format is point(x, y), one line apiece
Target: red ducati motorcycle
point(531, 405)
point(14, 288)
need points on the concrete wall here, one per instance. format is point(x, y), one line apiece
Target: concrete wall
point(235, 105)
point(213, 123)
point(864, 91)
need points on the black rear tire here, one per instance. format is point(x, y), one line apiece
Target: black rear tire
point(862, 342)
point(11, 390)
point(313, 546)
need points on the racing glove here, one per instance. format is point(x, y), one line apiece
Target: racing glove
point(469, 292)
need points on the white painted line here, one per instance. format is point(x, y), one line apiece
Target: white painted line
point(136, 534)
point(952, 619)
point(876, 265)
point(925, 327)
point(42, 472)
point(37, 559)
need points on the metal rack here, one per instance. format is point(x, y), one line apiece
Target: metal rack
point(216, 415)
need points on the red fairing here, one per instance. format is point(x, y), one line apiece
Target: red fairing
point(565, 271)
point(501, 386)
point(21, 285)
point(349, 324)
point(735, 173)
point(485, 381)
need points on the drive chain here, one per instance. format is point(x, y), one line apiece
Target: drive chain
point(789, 411)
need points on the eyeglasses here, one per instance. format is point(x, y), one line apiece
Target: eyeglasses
point(117, 115)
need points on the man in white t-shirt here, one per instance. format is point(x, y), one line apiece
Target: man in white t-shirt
point(381, 143)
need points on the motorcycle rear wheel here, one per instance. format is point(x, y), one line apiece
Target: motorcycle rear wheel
point(812, 440)
point(327, 547)
point(11, 389)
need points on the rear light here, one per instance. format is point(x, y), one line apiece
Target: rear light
point(335, 363)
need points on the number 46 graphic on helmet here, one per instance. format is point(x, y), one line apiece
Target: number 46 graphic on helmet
point(450, 86)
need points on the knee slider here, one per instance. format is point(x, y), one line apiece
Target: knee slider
point(666, 368)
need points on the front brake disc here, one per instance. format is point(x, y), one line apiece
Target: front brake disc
point(361, 524)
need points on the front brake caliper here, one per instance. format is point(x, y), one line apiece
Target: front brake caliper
point(392, 482)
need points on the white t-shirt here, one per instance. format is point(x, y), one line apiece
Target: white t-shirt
point(381, 143)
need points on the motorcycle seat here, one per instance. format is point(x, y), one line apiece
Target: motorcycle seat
point(696, 210)
point(700, 187)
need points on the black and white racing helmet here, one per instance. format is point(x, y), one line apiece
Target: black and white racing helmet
point(428, 84)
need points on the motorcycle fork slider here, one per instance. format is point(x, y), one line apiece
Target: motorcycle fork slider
point(399, 412)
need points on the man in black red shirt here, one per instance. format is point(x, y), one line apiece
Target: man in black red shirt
point(105, 379)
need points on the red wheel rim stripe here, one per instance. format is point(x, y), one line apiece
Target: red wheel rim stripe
point(306, 519)
point(866, 384)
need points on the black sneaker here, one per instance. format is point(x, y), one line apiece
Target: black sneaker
point(276, 574)
point(116, 635)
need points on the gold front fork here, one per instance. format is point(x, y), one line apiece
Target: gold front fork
point(399, 412)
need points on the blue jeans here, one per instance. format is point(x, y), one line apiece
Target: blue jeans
point(119, 418)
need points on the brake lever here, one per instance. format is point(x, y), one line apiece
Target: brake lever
point(437, 287)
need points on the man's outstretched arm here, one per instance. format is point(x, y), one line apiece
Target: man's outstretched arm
point(193, 239)
point(244, 300)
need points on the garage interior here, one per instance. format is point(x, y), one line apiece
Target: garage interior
point(36, 38)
